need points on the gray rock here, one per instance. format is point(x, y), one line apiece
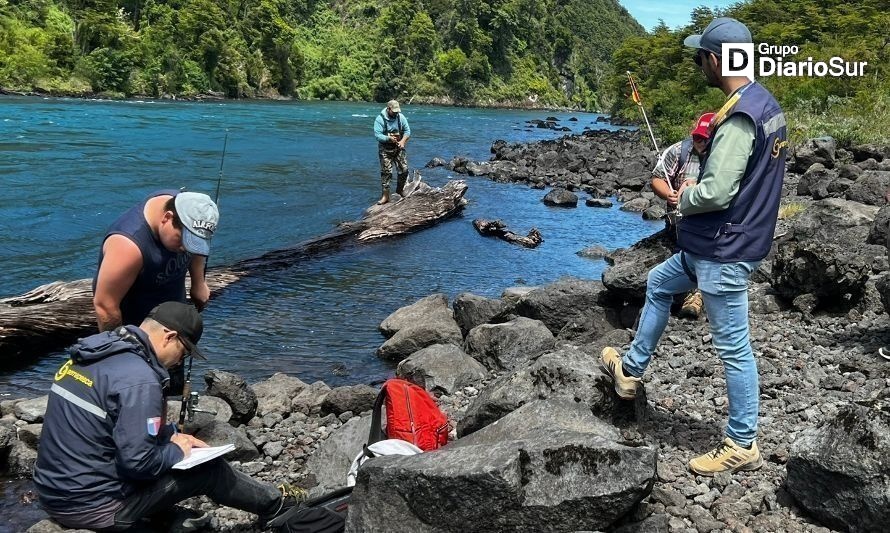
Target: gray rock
point(222, 410)
point(30, 434)
point(355, 398)
point(432, 308)
point(435, 162)
point(835, 471)
point(435, 330)
point(655, 212)
point(275, 394)
point(878, 233)
point(594, 252)
point(637, 205)
point(870, 187)
point(471, 310)
point(49, 526)
point(235, 392)
point(21, 459)
point(815, 181)
point(820, 150)
point(7, 437)
point(568, 372)
point(598, 202)
point(273, 449)
point(7, 407)
point(442, 368)
point(31, 410)
point(561, 198)
point(555, 303)
point(334, 456)
point(864, 152)
point(218, 433)
point(569, 479)
point(504, 346)
point(626, 277)
point(309, 400)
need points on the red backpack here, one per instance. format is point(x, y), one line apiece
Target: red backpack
point(411, 415)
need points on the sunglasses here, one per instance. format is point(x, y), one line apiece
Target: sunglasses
point(700, 56)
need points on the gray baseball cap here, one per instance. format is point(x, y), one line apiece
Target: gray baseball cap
point(720, 30)
point(199, 216)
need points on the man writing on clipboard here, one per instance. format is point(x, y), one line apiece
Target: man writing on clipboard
point(106, 456)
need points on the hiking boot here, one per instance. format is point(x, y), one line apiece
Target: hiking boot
point(728, 457)
point(692, 305)
point(625, 386)
point(291, 495)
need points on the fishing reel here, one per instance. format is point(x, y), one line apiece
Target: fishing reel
point(191, 407)
point(673, 217)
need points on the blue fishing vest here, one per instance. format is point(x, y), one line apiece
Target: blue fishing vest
point(163, 272)
point(744, 230)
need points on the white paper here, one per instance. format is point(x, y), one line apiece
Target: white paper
point(202, 455)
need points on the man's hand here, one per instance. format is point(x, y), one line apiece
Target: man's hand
point(394, 137)
point(200, 294)
point(672, 199)
point(187, 442)
point(402, 144)
point(683, 186)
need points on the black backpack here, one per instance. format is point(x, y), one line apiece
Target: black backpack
point(324, 514)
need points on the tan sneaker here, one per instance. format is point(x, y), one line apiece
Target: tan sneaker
point(728, 457)
point(625, 386)
point(692, 305)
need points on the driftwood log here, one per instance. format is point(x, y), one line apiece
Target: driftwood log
point(52, 316)
point(497, 228)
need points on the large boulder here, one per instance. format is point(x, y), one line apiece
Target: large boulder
point(589, 325)
point(432, 308)
point(218, 433)
point(568, 371)
point(331, 461)
point(471, 310)
point(441, 368)
point(309, 400)
point(275, 394)
point(560, 197)
point(629, 270)
point(504, 346)
point(880, 226)
point(438, 330)
point(235, 392)
point(553, 467)
point(32, 410)
point(864, 152)
point(554, 304)
point(819, 150)
point(829, 219)
point(815, 181)
point(838, 472)
point(870, 187)
point(355, 398)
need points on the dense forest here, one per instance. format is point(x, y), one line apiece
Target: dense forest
point(851, 109)
point(550, 52)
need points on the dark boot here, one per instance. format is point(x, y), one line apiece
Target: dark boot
point(385, 198)
point(400, 184)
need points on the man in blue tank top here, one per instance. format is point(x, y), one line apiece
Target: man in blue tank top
point(729, 217)
point(146, 254)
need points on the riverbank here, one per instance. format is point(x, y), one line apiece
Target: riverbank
point(566, 452)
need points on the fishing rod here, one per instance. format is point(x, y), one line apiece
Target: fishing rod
point(635, 95)
point(190, 400)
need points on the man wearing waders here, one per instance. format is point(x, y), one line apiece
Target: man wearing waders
point(392, 132)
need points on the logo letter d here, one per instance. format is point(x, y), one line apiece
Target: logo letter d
point(738, 60)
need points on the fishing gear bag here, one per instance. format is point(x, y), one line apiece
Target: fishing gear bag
point(411, 415)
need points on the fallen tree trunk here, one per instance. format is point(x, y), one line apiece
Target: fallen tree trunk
point(496, 228)
point(52, 316)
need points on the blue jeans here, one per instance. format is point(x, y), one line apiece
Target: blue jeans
point(724, 288)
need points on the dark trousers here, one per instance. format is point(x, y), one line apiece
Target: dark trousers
point(215, 479)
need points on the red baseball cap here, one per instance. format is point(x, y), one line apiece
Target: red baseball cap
point(703, 126)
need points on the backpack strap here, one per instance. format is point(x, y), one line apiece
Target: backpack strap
point(683, 158)
point(377, 434)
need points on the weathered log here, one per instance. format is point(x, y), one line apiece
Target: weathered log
point(497, 228)
point(54, 315)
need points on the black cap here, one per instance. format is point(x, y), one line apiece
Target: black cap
point(185, 320)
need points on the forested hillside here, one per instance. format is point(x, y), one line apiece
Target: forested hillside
point(509, 51)
point(852, 109)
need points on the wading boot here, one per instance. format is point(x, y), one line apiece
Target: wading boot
point(385, 198)
point(401, 180)
point(625, 386)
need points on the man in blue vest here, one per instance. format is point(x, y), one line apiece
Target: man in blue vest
point(729, 217)
point(392, 131)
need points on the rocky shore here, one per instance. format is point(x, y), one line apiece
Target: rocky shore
point(541, 442)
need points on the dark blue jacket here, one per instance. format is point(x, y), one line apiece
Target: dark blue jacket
point(162, 278)
point(104, 433)
point(744, 230)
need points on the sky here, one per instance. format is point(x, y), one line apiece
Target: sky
point(674, 12)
